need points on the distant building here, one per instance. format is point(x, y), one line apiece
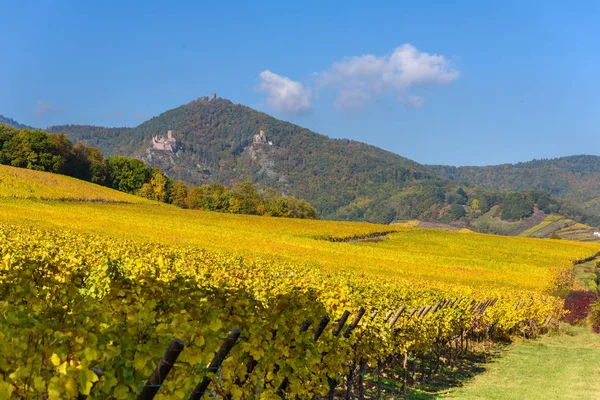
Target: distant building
point(213, 96)
point(161, 143)
point(597, 233)
point(261, 138)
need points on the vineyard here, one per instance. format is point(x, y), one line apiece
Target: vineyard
point(94, 294)
point(26, 183)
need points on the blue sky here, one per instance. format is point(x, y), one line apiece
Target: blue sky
point(461, 83)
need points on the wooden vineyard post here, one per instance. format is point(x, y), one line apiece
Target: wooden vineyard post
point(394, 332)
point(392, 322)
point(396, 316)
point(351, 327)
point(336, 332)
point(362, 369)
point(215, 364)
point(405, 370)
point(162, 369)
point(355, 321)
point(435, 307)
point(374, 314)
point(362, 366)
point(379, 378)
point(341, 323)
point(388, 315)
point(321, 327)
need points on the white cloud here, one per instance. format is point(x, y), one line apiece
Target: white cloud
point(285, 95)
point(359, 79)
point(41, 108)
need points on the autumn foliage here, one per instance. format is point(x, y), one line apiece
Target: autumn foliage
point(578, 304)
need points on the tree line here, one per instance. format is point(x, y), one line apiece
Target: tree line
point(39, 150)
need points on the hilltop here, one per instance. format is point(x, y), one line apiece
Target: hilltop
point(11, 122)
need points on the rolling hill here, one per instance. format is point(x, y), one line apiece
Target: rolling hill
point(573, 178)
point(30, 184)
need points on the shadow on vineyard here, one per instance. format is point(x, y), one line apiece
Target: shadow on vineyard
point(451, 377)
point(423, 382)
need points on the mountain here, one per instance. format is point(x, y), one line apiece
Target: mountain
point(217, 140)
point(215, 143)
point(574, 178)
point(13, 123)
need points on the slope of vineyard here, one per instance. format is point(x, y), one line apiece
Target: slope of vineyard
point(564, 228)
point(26, 183)
point(73, 301)
point(107, 286)
point(435, 255)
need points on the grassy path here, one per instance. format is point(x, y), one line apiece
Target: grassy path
point(563, 366)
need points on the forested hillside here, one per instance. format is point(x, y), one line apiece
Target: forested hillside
point(96, 136)
point(574, 178)
point(343, 179)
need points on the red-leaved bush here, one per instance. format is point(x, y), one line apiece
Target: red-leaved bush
point(578, 304)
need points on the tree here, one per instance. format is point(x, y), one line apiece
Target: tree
point(88, 163)
point(193, 199)
point(384, 215)
point(217, 197)
point(35, 149)
point(244, 199)
point(516, 206)
point(127, 174)
point(178, 194)
point(158, 182)
point(98, 166)
point(146, 191)
point(60, 150)
point(457, 197)
point(456, 212)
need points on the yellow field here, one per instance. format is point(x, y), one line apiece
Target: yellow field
point(437, 255)
point(26, 183)
point(445, 256)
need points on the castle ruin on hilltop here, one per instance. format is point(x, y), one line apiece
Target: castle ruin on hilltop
point(161, 143)
point(261, 138)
